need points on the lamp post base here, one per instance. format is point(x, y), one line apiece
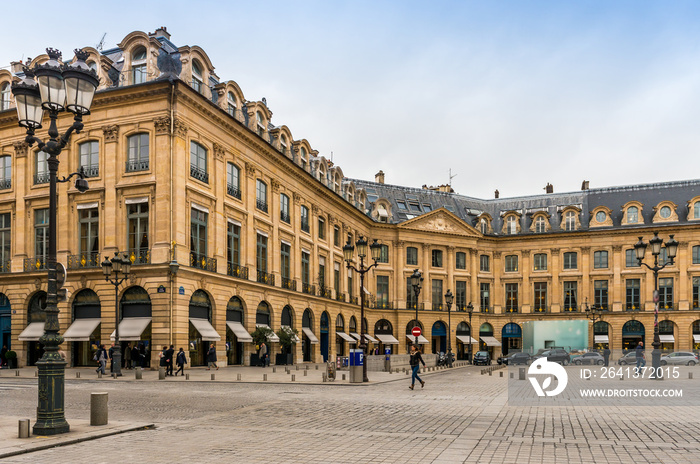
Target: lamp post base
point(117, 361)
point(50, 416)
point(656, 361)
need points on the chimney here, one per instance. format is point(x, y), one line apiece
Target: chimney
point(584, 185)
point(162, 32)
point(379, 177)
point(16, 66)
point(549, 188)
point(496, 193)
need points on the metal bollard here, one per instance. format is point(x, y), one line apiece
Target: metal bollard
point(511, 375)
point(36, 373)
point(343, 376)
point(521, 373)
point(305, 372)
point(490, 373)
point(213, 376)
point(238, 376)
point(501, 374)
point(77, 375)
point(98, 408)
point(274, 370)
point(323, 376)
point(293, 377)
point(16, 373)
point(690, 375)
point(264, 377)
point(316, 366)
point(297, 366)
point(23, 429)
point(161, 373)
point(187, 376)
point(99, 374)
point(138, 373)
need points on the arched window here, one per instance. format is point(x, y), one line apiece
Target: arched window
point(5, 172)
point(287, 316)
point(383, 327)
point(307, 318)
point(138, 66)
point(260, 123)
point(303, 157)
point(231, 101)
point(234, 310)
point(262, 315)
point(632, 215)
point(540, 225)
point(137, 159)
point(198, 162)
point(89, 158)
point(483, 226)
point(339, 323)
point(511, 225)
point(352, 327)
point(570, 221)
point(197, 76)
point(5, 96)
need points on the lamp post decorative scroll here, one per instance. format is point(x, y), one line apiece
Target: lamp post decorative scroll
point(60, 87)
point(116, 270)
point(348, 254)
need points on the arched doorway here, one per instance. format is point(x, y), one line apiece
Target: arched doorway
point(632, 334)
point(5, 322)
point(384, 332)
point(135, 325)
point(308, 339)
point(36, 317)
point(236, 333)
point(409, 335)
point(287, 320)
point(601, 337)
point(439, 337)
point(201, 332)
point(84, 332)
point(341, 337)
point(667, 335)
point(324, 335)
point(464, 340)
point(696, 335)
point(487, 342)
point(512, 338)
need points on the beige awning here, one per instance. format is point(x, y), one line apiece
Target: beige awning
point(467, 339)
point(346, 337)
point(32, 333)
point(131, 328)
point(206, 330)
point(272, 338)
point(421, 339)
point(81, 329)
point(601, 339)
point(387, 339)
point(312, 338)
point(367, 336)
point(490, 341)
point(295, 337)
point(667, 339)
point(239, 331)
point(696, 338)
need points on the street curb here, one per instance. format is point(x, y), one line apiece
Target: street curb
point(72, 441)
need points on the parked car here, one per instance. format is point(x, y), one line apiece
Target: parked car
point(589, 358)
point(680, 357)
point(482, 357)
point(515, 358)
point(557, 355)
point(629, 358)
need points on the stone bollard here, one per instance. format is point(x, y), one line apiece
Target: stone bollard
point(36, 373)
point(490, 373)
point(99, 374)
point(343, 376)
point(213, 376)
point(406, 371)
point(77, 375)
point(138, 373)
point(274, 370)
point(264, 377)
point(293, 376)
point(305, 372)
point(98, 408)
point(316, 366)
point(23, 429)
point(521, 373)
point(690, 375)
point(161, 373)
point(238, 377)
point(16, 373)
point(114, 375)
point(323, 377)
point(511, 375)
point(187, 376)
point(297, 366)
point(501, 374)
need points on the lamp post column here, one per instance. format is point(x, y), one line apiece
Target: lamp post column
point(470, 308)
point(363, 343)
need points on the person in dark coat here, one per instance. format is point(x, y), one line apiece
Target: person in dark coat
point(3, 358)
point(211, 357)
point(169, 355)
point(164, 359)
point(606, 356)
point(127, 356)
point(415, 362)
point(111, 360)
point(142, 355)
point(181, 361)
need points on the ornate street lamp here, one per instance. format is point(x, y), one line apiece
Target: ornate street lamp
point(449, 297)
point(671, 249)
point(416, 283)
point(116, 270)
point(348, 253)
point(593, 314)
point(60, 87)
point(470, 310)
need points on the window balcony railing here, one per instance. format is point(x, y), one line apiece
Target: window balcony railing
point(202, 262)
point(415, 306)
point(353, 300)
point(234, 191)
point(485, 309)
point(41, 178)
point(199, 173)
point(261, 205)
point(305, 225)
point(437, 307)
point(570, 309)
point(91, 171)
point(5, 184)
point(35, 264)
point(325, 292)
point(632, 308)
point(265, 278)
point(5, 266)
point(383, 305)
point(512, 309)
point(284, 217)
point(235, 270)
point(339, 296)
point(136, 165)
point(289, 284)
point(668, 306)
point(308, 289)
point(84, 260)
point(540, 309)
point(460, 307)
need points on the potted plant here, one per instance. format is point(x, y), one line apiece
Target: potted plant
point(11, 357)
point(288, 337)
point(260, 336)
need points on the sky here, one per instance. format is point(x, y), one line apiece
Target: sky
point(508, 95)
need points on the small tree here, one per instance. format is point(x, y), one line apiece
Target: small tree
point(261, 335)
point(288, 337)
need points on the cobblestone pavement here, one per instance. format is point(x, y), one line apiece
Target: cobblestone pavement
point(460, 416)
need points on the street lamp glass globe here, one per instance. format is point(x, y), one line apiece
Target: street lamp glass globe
point(107, 267)
point(656, 243)
point(348, 251)
point(640, 248)
point(671, 247)
point(28, 100)
point(81, 83)
point(51, 85)
point(376, 250)
point(361, 247)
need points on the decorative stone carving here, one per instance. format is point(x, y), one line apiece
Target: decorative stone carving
point(180, 128)
point(162, 125)
point(37, 283)
point(398, 243)
point(474, 251)
point(21, 149)
point(250, 170)
point(314, 210)
point(297, 198)
point(440, 222)
point(555, 251)
point(111, 133)
point(219, 151)
point(426, 246)
point(617, 248)
point(525, 253)
point(496, 255)
point(585, 249)
point(275, 186)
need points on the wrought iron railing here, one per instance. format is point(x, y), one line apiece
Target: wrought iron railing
point(437, 307)
point(42, 178)
point(383, 305)
point(485, 309)
point(284, 217)
point(631, 307)
point(261, 205)
point(354, 300)
point(289, 284)
point(35, 264)
point(202, 262)
point(5, 266)
point(415, 306)
point(199, 173)
point(91, 171)
point(325, 292)
point(5, 184)
point(540, 309)
point(84, 260)
point(308, 289)
point(512, 309)
point(138, 256)
point(305, 225)
point(136, 165)
point(668, 306)
point(235, 270)
point(265, 277)
point(233, 191)
point(339, 296)
point(570, 309)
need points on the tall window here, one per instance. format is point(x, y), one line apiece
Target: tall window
point(261, 253)
point(666, 293)
point(336, 236)
point(511, 225)
point(411, 300)
point(484, 263)
point(321, 228)
point(600, 259)
point(663, 256)
point(696, 292)
point(137, 230)
point(511, 263)
point(41, 167)
point(305, 268)
point(336, 279)
point(197, 77)
point(5, 172)
point(89, 236)
point(231, 103)
point(283, 143)
point(412, 256)
point(485, 297)
point(461, 260)
point(540, 289)
point(696, 253)
point(437, 258)
point(632, 294)
point(600, 294)
point(570, 220)
point(350, 286)
point(303, 158)
point(260, 123)
point(41, 234)
point(696, 210)
point(483, 226)
point(198, 162)
point(5, 242)
point(460, 295)
point(233, 180)
point(512, 298)
point(198, 235)
point(137, 153)
point(90, 158)
point(138, 66)
point(632, 215)
point(539, 261)
point(437, 293)
point(233, 248)
point(5, 93)
point(384, 254)
point(284, 208)
point(570, 260)
point(304, 219)
point(631, 259)
point(382, 291)
point(261, 195)
point(540, 225)
point(570, 296)
point(322, 272)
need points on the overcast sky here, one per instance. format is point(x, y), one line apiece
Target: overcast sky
point(509, 95)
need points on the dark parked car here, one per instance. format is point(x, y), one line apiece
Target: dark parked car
point(515, 358)
point(482, 357)
point(557, 355)
point(629, 358)
point(589, 358)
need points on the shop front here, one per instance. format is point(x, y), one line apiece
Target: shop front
point(236, 334)
point(439, 337)
point(201, 332)
point(632, 334)
point(487, 341)
point(135, 325)
point(464, 339)
point(512, 338)
point(308, 338)
point(384, 333)
point(5, 322)
point(36, 317)
point(667, 335)
point(601, 335)
point(84, 333)
point(410, 339)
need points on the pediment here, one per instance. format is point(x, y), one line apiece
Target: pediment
point(442, 221)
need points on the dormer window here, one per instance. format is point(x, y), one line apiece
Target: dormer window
point(632, 215)
point(540, 225)
point(283, 143)
point(696, 210)
point(197, 76)
point(483, 226)
point(600, 216)
point(304, 157)
point(231, 102)
point(260, 123)
point(5, 96)
point(138, 66)
point(511, 225)
point(570, 221)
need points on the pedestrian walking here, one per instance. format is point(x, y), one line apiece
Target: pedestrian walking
point(142, 356)
point(164, 359)
point(606, 356)
point(127, 356)
point(101, 357)
point(169, 355)
point(181, 361)
point(639, 355)
point(211, 357)
point(263, 354)
point(3, 358)
point(415, 362)
point(111, 360)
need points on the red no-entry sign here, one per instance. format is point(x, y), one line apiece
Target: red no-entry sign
point(416, 331)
